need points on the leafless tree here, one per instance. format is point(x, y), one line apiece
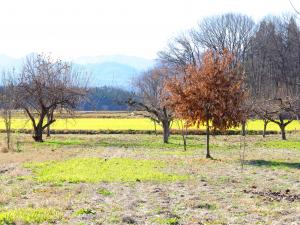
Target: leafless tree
point(7, 104)
point(279, 111)
point(181, 51)
point(45, 85)
point(228, 31)
point(150, 98)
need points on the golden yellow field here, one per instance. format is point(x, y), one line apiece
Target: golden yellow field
point(127, 124)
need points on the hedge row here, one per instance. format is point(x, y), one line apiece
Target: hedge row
point(174, 131)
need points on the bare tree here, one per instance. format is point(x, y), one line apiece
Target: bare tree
point(228, 31)
point(7, 104)
point(279, 111)
point(150, 98)
point(181, 51)
point(45, 85)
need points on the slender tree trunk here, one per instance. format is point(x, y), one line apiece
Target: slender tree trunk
point(184, 142)
point(48, 128)
point(49, 119)
point(282, 129)
point(208, 156)
point(8, 128)
point(48, 133)
point(244, 128)
point(183, 134)
point(7, 122)
point(166, 131)
point(155, 128)
point(265, 127)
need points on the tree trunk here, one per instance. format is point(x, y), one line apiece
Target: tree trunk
point(244, 128)
point(48, 131)
point(184, 142)
point(208, 156)
point(49, 119)
point(282, 129)
point(183, 134)
point(265, 127)
point(7, 121)
point(155, 128)
point(38, 133)
point(166, 131)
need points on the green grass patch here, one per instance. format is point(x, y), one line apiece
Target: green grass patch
point(57, 143)
point(288, 144)
point(104, 192)
point(207, 206)
point(155, 142)
point(84, 212)
point(194, 142)
point(29, 216)
point(96, 170)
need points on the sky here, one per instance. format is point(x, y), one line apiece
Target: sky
point(73, 28)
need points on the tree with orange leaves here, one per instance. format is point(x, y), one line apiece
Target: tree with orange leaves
point(209, 94)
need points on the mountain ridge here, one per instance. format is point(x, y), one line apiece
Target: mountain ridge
point(109, 70)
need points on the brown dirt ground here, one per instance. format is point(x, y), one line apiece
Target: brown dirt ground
point(219, 193)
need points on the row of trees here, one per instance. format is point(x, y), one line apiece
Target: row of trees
point(105, 98)
point(225, 71)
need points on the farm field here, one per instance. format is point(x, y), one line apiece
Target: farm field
point(135, 179)
point(121, 123)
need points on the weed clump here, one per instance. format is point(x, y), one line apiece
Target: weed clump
point(29, 216)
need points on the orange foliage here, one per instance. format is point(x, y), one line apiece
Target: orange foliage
point(212, 91)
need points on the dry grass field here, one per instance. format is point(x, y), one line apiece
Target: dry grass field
point(135, 179)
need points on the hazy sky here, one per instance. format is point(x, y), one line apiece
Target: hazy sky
point(71, 28)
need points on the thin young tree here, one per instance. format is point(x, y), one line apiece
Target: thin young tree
point(149, 97)
point(7, 104)
point(210, 94)
point(45, 85)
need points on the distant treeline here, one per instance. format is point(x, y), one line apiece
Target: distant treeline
point(106, 98)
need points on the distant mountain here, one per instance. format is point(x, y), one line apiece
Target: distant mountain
point(133, 61)
point(112, 70)
point(109, 74)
